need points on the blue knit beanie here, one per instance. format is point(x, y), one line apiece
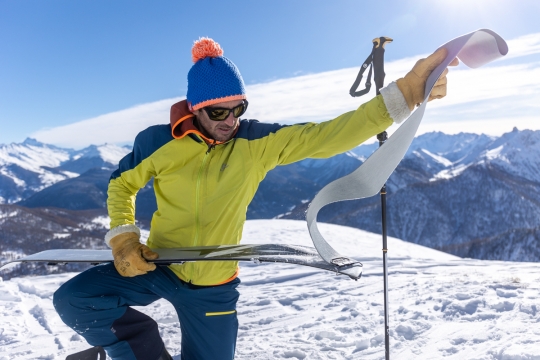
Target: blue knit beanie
point(213, 78)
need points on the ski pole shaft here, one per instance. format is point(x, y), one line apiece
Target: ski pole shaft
point(382, 138)
point(375, 62)
point(378, 64)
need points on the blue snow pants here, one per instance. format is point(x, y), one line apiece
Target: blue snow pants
point(97, 305)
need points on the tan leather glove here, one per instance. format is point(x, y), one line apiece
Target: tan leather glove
point(412, 86)
point(130, 255)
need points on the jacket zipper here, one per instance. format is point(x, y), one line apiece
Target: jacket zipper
point(197, 196)
point(197, 199)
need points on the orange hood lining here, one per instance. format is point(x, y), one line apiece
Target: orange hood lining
point(182, 123)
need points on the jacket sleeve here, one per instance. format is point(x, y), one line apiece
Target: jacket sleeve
point(133, 173)
point(297, 142)
point(123, 189)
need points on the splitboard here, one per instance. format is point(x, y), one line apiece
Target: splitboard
point(291, 254)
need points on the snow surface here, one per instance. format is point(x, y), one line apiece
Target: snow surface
point(441, 306)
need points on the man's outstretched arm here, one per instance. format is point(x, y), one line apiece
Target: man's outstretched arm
point(397, 100)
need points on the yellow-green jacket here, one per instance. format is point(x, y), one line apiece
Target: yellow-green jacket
point(203, 193)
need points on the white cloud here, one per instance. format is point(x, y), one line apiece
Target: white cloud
point(491, 100)
point(116, 127)
point(524, 45)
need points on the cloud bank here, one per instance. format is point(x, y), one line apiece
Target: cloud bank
point(489, 100)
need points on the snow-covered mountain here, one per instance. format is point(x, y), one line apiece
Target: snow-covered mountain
point(516, 153)
point(440, 306)
point(31, 166)
point(471, 195)
point(458, 193)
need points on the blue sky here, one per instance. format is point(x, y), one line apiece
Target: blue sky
point(62, 62)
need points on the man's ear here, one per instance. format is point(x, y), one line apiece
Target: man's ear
point(197, 114)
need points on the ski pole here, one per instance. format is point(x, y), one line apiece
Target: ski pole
point(375, 62)
point(378, 64)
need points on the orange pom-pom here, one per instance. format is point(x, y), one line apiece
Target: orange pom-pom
point(205, 47)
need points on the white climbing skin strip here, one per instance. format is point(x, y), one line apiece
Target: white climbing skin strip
point(474, 50)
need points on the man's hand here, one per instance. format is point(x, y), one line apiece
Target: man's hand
point(130, 255)
point(412, 86)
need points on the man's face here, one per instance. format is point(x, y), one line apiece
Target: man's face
point(221, 131)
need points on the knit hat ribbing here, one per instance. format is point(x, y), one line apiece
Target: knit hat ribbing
point(213, 78)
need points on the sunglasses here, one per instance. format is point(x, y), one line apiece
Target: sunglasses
point(220, 114)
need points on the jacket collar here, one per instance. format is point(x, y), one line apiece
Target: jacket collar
point(182, 123)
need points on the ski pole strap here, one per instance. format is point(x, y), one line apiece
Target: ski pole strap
point(356, 84)
point(375, 62)
point(474, 50)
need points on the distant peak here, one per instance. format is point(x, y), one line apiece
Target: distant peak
point(31, 141)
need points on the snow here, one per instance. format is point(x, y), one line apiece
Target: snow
point(48, 178)
point(437, 158)
point(70, 174)
point(494, 153)
point(515, 152)
point(108, 152)
point(6, 256)
point(7, 215)
point(100, 222)
point(61, 235)
point(450, 173)
point(18, 182)
point(112, 153)
point(32, 156)
point(441, 306)
point(32, 165)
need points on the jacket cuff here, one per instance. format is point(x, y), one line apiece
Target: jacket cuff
point(121, 230)
point(395, 103)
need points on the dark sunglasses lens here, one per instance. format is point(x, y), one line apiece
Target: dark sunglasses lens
point(218, 114)
point(240, 110)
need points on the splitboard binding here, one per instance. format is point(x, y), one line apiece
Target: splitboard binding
point(258, 253)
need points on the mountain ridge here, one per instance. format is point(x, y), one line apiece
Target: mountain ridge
point(450, 192)
point(31, 166)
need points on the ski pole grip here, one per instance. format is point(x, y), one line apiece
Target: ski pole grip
point(382, 41)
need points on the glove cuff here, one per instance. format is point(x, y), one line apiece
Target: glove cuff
point(395, 102)
point(121, 230)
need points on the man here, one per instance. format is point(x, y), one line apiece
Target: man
point(206, 165)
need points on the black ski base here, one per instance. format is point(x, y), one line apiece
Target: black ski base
point(95, 353)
